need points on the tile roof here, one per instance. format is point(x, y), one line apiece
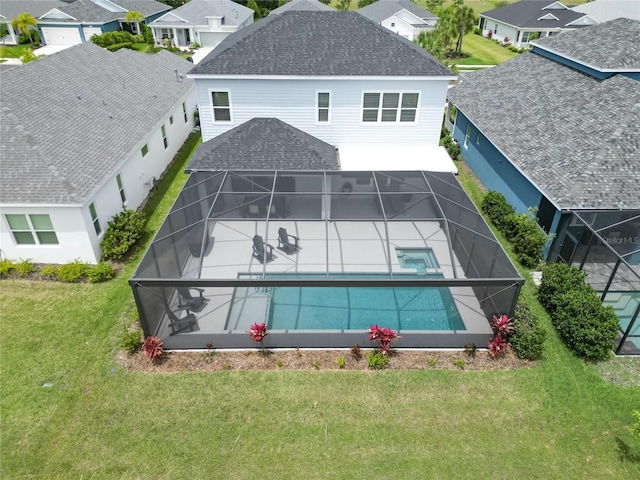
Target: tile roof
point(85, 110)
point(526, 14)
point(605, 10)
point(264, 144)
point(319, 44)
point(574, 136)
point(383, 9)
point(87, 11)
point(195, 11)
point(10, 9)
point(601, 55)
point(301, 6)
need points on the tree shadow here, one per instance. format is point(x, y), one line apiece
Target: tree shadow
point(626, 453)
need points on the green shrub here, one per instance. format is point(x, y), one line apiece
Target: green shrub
point(377, 360)
point(71, 272)
point(25, 267)
point(100, 272)
point(49, 271)
point(131, 340)
point(558, 278)
point(527, 238)
point(123, 231)
point(147, 34)
point(528, 339)
point(113, 38)
point(496, 207)
point(6, 266)
point(118, 46)
point(32, 37)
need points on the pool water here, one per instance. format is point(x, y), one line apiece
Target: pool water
point(357, 308)
point(421, 259)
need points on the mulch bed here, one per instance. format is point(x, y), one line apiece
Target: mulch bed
point(214, 360)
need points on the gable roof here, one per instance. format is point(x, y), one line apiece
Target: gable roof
point(196, 11)
point(605, 10)
point(604, 55)
point(63, 139)
point(383, 9)
point(544, 14)
point(89, 11)
point(576, 137)
point(264, 144)
point(301, 6)
point(319, 44)
point(10, 9)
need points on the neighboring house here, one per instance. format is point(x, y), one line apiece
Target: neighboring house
point(568, 138)
point(206, 22)
point(93, 133)
point(10, 9)
point(301, 6)
point(374, 95)
point(518, 22)
point(605, 10)
point(78, 21)
point(400, 16)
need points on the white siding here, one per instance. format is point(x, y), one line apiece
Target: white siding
point(504, 31)
point(400, 27)
point(294, 102)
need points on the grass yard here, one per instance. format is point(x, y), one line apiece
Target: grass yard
point(482, 51)
point(69, 411)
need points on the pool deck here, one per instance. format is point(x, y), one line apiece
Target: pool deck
point(333, 247)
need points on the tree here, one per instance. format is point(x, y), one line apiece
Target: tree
point(431, 41)
point(343, 5)
point(137, 17)
point(433, 5)
point(258, 12)
point(465, 20)
point(364, 3)
point(4, 31)
point(25, 23)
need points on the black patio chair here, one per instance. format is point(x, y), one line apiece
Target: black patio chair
point(178, 324)
point(286, 245)
point(187, 300)
point(262, 251)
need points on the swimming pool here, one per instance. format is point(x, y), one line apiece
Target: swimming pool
point(357, 308)
point(422, 259)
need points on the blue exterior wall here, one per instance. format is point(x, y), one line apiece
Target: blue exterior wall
point(633, 75)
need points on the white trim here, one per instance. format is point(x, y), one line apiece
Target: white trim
point(173, 15)
point(44, 16)
point(213, 115)
point(398, 109)
point(312, 78)
point(548, 16)
point(555, 5)
point(32, 230)
point(318, 107)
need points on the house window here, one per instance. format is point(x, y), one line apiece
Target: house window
point(144, 150)
point(393, 24)
point(478, 139)
point(164, 136)
point(221, 106)
point(171, 119)
point(324, 105)
point(32, 229)
point(95, 219)
point(389, 107)
point(525, 37)
point(123, 196)
point(467, 134)
point(166, 33)
point(184, 112)
point(495, 29)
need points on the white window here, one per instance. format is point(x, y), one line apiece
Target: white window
point(144, 150)
point(95, 219)
point(324, 107)
point(221, 103)
point(123, 196)
point(163, 130)
point(184, 111)
point(32, 229)
point(525, 37)
point(389, 106)
point(467, 134)
point(166, 33)
point(171, 119)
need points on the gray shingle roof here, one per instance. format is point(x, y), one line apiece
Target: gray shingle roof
point(68, 120)
point(195, 11)
point(87, 11)
point(10, 9)
point(577, 138)
point(601, 55)
point(264, 144)
point(605, 10)
point(525, 14)
point(383, 9)
point(319, 44)
point(301, 6)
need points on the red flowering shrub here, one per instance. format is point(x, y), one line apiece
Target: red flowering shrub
point(497, 346)
point(258, 332)
point(502, 326)
point(153, 348)
point(384, 337)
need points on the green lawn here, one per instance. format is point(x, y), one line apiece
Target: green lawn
point(68, 411)
point(13, 51)
point(482, 51)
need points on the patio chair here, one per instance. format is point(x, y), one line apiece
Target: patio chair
point(180, 324)
point(286, 245)
point(187, 300)
point(262, 251)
